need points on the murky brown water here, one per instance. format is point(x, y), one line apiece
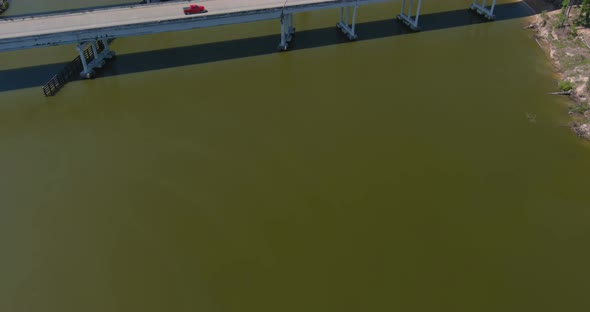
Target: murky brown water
point(394, 174)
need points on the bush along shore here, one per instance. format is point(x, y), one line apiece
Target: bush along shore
point(564, 33)
point(3, 6)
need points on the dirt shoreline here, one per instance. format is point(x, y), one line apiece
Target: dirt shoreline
point(568, 48)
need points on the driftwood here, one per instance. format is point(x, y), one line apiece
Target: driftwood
point(532, 118)
point(561, 93)
point(530, 26)
point(577, 129)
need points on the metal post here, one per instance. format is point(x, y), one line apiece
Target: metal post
point(354, 20)
point(418, 12)
point(291, 28)
point(105, 43)
point(287, 31)
point(347, 16)
point(83, 59)
point(345, 21)
point(283, 39)
point(406, 16)
point(482, 10)
point(404, 6)
point(94, 50)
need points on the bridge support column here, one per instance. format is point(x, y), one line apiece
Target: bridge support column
point(482, 10)
point(97, 58)
point(348, 28)
point(407, 18)
point(85, 70)
point(287, 31)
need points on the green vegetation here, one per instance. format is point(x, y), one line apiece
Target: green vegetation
point(571, 61)
point(566, 85)
point(574, 32)
point(3, 6)
point(566, 34)
point(583, 18)
point(566, 8)
point(578, 108)
point(560, 45)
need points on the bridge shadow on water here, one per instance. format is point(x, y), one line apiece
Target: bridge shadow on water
point(19, 78)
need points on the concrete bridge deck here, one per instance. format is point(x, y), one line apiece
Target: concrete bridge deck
point(75, 27)
point(134, 14)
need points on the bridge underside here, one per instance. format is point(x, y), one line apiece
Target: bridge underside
point(408, 17)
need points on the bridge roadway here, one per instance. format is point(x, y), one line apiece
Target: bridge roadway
point(139, 19)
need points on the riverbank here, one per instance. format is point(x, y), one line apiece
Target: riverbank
point(3, 6)
point(565, 37)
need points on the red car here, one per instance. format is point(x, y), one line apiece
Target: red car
point(194, 9)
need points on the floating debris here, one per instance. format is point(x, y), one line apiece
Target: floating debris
point(532, 118)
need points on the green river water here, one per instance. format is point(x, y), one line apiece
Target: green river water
point(203, 171)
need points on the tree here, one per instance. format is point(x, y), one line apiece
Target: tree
point(566, 7)
point(3, 5)
point(584, 17)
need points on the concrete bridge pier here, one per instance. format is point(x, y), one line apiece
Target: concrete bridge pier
point(482, 10)
point(344, 24)
point(287, 31)
point(406, 16)
point(99, 57)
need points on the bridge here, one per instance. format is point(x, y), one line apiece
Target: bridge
point(88, 26)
